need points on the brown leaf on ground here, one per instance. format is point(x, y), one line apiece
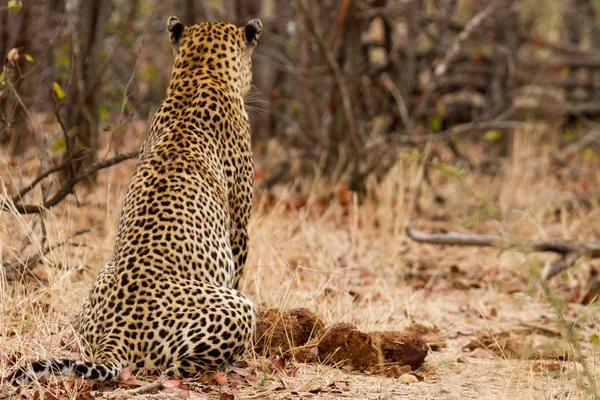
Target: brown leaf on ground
point(236, 380)
point(127, 378)
point(481, 353)
point(408, 378)
point(240, 371)
point(172, 383)
point(277, 364)
point(218, 377)
point(251, 378)
point(340, 385)
point(226, 396)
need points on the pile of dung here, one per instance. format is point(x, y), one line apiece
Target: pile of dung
point(302, 335)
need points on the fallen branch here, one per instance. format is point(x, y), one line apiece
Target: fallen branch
point(570, 250)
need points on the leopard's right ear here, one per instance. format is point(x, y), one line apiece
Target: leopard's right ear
point(175, 29)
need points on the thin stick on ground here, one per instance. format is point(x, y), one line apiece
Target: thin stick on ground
point(570, 250)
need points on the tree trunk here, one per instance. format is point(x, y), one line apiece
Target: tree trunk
point(87, 22)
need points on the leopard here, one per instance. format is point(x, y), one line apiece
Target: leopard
point(168, 300)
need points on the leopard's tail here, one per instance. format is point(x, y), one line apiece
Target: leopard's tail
point(106, 371)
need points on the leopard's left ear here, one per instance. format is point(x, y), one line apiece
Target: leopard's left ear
point(175, 28)
point(252, 31)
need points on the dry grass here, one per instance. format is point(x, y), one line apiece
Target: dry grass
point(353, 263)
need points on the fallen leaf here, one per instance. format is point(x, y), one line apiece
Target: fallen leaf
point(481, 353)
point(127, 378)
point(172, 383)
point(293, 372)
point(236, 379)
point(251, 378)
point(340, 385)
point(240, 371)
point(408, 378)
point(218, 377)
point(125, 374)
point(226, 396)
point(277, 365)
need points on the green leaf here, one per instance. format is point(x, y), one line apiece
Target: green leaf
point(588, 154)
point(2, 76)
point(15, 5)
point(58, 92)
point(59, 145)
point(103, 112)
point(28, 57)
point(435, 123)
point(493, 136)
point(594, 339)
point(568, 134)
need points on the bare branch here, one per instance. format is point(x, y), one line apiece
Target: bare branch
point(462, 37)
point(315, 30)
point(68, 186)
point(339, 22)
point(453, 52)
point(16, 198)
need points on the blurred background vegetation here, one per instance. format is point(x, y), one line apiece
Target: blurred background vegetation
point(343, 88)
